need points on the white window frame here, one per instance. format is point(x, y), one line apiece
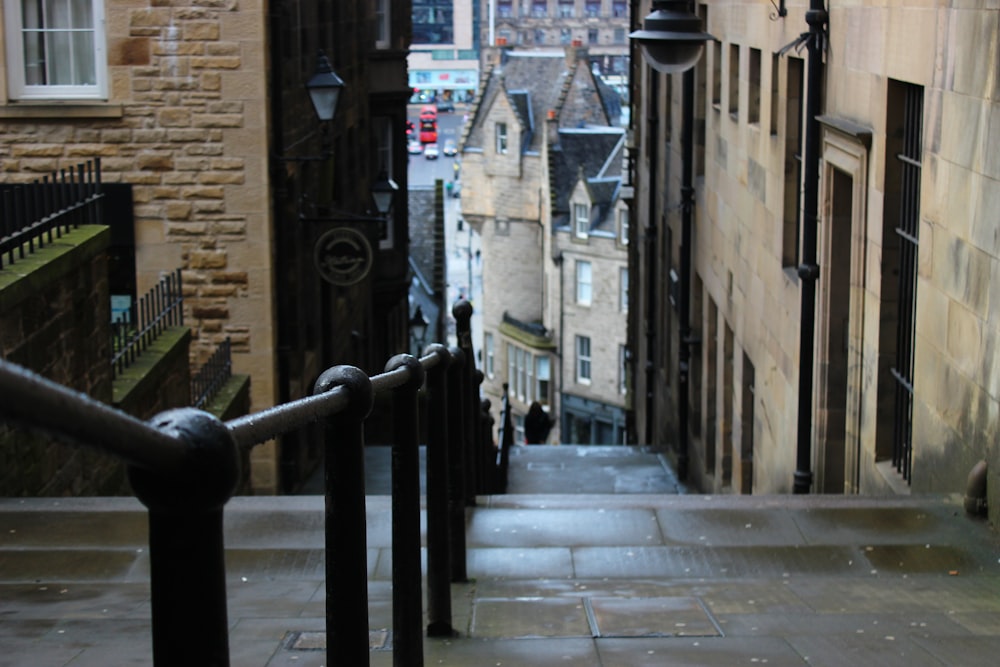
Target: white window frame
point(623, 226)
point(501, 138)
point(17, 86)
point(584, 283)
point(543, 378)
point(490, 355)
point(581, 220)
point(583, 360)
point(622, 371)
point(383, 24)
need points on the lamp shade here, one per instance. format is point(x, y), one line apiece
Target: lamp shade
point(418, 325)
point(324, 88)
point(383, 191)
point(671, 37)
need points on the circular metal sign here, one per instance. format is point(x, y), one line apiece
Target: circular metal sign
point(343, 256)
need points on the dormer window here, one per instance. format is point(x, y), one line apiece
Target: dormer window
point(501, 136)
point(581, 220)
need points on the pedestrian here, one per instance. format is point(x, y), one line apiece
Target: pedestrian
point(537, 425)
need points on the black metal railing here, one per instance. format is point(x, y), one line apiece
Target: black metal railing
point(184, 467)
point(505, 440)
point(161, 307)
point(33, 215)
point(213, 375)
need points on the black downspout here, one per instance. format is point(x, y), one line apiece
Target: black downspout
point(650, 234)
point(684, 305)
point(816, 18)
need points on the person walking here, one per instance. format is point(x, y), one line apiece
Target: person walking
point(537, 425)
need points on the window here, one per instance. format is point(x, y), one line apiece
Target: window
point(539, 36)
point(592, 36)
point(539, 9)
point(511, 368)
point(623, 226)
point(623, 290)
point(382, 24)
point(565, 36)
point(505, 9)
point(622, 370)
point(382, 140)
point(566, 9)
point(619, 35)
point(581, 218)
point(433, 22)
point(734, 79)
point(55, 49)
point(753, 103)
point(490, 355)
point(501, 135)
point(520, 384)
point(583, 359)
point(619, 9)
point(542, 377)
point(584, 285)
point(593, 9)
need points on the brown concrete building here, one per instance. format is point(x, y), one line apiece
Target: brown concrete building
point(894, 388)
point(218, 166)
point(542, 179)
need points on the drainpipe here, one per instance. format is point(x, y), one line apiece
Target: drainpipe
point(560, 260)
point(650, 234)
point(816, 18)
point(684, 298)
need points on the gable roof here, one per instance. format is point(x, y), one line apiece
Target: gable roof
point(593, 155)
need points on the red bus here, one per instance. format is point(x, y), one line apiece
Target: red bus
point(428, 125)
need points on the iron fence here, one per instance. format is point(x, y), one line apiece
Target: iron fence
point(213, 375)
point(184, 467)
point(33, 215)
point(159, 308)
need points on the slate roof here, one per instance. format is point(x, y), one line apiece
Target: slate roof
point(594, 154)
point(533, 82)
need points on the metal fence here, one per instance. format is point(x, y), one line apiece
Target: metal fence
point(33, 215)
point(184, 466)
point(159, 308)
point(213, 375)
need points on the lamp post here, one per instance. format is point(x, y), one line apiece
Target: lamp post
point(418, 328)
point(672, 41)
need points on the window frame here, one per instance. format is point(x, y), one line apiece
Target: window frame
point(584, 360)
point(581, 220)
point(584, 287)
point(383, 24)
point(490, 355)
point(500, 131)
point(623, 289)
point(17, 86)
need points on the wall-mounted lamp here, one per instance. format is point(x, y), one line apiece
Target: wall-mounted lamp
point(418, 327)
point(384, 193)
point(324, 88)
point(671, 37)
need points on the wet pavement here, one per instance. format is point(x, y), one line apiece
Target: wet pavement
point(627, 572)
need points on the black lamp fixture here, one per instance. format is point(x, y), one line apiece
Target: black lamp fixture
point(324, 88)
point(418, 326)
point(671, 37)
point(383, 192)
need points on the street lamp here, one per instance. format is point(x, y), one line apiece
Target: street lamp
point(383, 191)
point(418, 327)
point(324, 88)
point(672, 41)
point(671, 37)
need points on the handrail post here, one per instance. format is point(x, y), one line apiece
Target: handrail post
point(456, 464)
point(407, 597)
point(438, 555)
point(346, 534)
point(186, 549)
point(484, 439)
point(462, 312)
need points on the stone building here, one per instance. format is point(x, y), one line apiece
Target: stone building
point(600, 25)
point(886, 380)
point(217, 165)
point(539, 148)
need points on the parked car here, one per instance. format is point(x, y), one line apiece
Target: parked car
point(431, 151)
point(414, 147)
point(450, 148)
point(446, 105)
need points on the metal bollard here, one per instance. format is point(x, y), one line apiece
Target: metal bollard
point(456, 465)
point(346, 537)
point(407, 596)
point(438, 554)
point(186, 550)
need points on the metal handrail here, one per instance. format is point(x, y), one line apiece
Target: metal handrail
point(184, 466)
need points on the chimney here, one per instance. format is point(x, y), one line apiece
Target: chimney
point(551, 127)
point(576, 52)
